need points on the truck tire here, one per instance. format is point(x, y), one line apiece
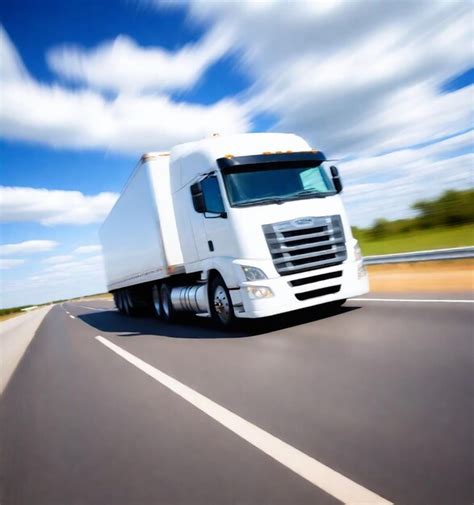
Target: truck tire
point(156, 301)
point(167, 311)
point(132, 303)
point(220, 303)
point(125, 302)
point(120, 302)
point(116, 300)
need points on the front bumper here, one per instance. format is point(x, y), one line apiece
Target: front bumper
point(352, 282)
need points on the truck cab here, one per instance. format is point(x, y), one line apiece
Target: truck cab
point(262, 214)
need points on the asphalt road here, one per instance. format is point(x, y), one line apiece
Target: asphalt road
point(373, 401)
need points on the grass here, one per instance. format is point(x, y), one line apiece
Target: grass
point(420, 240)
point(106, 296)
point(11, 312)
point(4, 317)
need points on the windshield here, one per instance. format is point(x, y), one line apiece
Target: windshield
point(257, 184)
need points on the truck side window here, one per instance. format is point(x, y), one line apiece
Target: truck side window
point(212, 195)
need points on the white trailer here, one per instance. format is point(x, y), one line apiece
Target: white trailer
point(240, 226)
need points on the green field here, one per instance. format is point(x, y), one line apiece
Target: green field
point(419, 240)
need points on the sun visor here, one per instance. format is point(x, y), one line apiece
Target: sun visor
point(306, 158)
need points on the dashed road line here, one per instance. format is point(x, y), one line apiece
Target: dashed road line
point(320, 475)
point(72, 317)
point(94, 308)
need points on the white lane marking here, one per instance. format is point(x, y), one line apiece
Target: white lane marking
point(410, 300)
point(72, 317)
point(317, 473)
point(92, 308)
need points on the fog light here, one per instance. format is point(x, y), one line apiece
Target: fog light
point(259, 292)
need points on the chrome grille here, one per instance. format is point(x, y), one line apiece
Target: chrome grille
point(306, 243)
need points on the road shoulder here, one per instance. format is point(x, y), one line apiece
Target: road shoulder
point(15, 337)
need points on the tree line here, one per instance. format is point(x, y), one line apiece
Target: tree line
point(452, 208)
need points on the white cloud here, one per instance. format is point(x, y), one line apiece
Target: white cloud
point(12, 66)
point(53, 207)
point(122, 65)
point(6, 263)
point(57, 281)
point(60, 260)
point(71, 268)
point(54, 260)
point(88, 249)
point(28, 246)
point(84, 119)
point(354, 77)
point(56, 278)
point(386, 186)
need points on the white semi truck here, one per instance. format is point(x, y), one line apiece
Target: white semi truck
point(241, 226)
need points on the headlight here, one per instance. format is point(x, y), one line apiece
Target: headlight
point(259, 292)
point(357, 252)
point(253, 273)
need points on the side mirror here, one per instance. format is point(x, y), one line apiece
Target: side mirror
point(198, 198)
point(336, 179)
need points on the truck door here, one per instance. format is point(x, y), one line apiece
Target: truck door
point(217, 238)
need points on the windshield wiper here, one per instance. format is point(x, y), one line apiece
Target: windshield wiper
point(309, 193)
point(278, 201)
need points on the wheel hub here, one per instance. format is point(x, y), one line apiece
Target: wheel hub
point(221, 303)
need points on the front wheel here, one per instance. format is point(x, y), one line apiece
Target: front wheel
point(220, 302)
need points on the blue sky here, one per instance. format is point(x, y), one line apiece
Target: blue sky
point(87, 87)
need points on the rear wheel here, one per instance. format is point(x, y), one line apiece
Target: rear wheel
point(220, 302)
point(167, 311)
point(125, 302)
point(117, 300)
point(121, 302)
point(133, 302)
point(156, 300)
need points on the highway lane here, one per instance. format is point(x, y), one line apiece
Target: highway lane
point(380, 392)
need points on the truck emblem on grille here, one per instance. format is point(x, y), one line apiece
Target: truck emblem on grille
point(306, 221)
